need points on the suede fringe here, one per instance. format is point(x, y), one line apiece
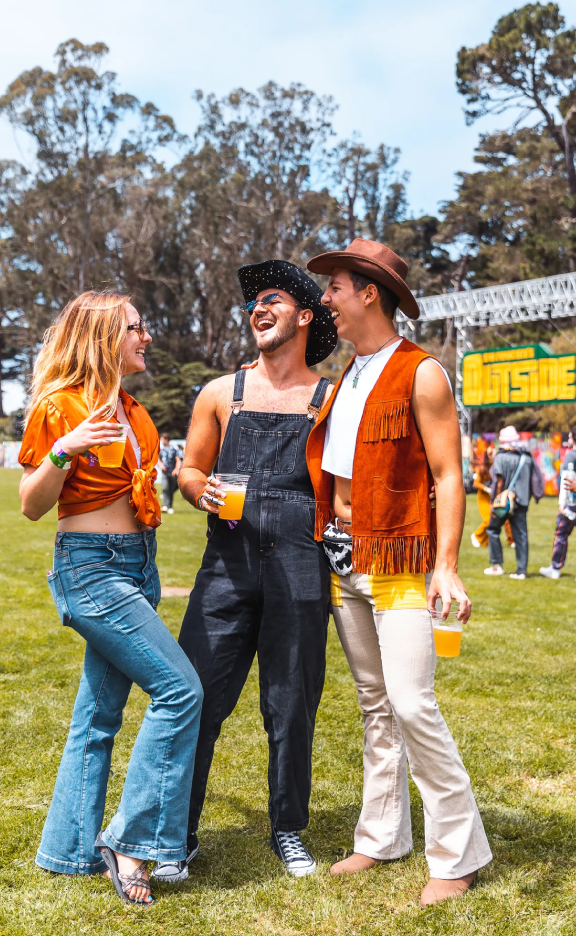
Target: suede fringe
point(386, 421)
point(382, 555)
point(324, 514)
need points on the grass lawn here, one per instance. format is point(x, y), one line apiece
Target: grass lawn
point(509, 700)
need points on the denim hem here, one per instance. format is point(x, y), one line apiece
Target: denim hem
point(286, 827)
point(69, 867)
point(147, 852)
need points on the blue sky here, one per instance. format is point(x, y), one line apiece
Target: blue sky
point(389, 65)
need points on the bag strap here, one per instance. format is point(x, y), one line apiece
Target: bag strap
point(523, 459)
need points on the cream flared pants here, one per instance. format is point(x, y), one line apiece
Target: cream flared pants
point(393, 659)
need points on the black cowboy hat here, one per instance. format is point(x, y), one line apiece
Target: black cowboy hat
point(280, 274)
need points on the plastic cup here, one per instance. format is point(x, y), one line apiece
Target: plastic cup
point(112, 456)
point(447, 634)
point(234, 486)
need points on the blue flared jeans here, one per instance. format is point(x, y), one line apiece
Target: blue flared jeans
point(106, 587)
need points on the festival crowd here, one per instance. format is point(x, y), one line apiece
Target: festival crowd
point(353, 504)
point(505, 480)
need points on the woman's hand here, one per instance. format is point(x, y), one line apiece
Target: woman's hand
point(91, 433)
point(210, 498)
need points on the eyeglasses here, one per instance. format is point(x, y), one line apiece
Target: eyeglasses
point(139, 326)
point(249, 307)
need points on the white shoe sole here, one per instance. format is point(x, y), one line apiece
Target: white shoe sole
point(302, 872)
point(181, 876)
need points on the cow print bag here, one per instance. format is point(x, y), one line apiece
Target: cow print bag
point(338, 548)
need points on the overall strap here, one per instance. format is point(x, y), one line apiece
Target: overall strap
point(315, 403)
point(238, 398)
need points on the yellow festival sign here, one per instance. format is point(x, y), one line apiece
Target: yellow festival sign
point(518, 376)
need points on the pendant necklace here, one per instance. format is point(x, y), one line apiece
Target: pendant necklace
point(360, 369)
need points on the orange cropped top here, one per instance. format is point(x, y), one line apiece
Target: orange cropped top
point(89, 486)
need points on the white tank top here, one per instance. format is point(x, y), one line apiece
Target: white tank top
point(347, 409)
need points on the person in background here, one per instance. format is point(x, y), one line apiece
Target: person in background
point(566, 519)
point(483, 485)
point(529, 483)
point(170, 462)
point(105, 586)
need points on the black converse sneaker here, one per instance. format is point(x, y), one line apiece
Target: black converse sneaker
point(292, 853)
point(171, 872)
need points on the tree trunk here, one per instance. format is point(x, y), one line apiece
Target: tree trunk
point(2, 346)
point(460, 272)
point(569, 150)
point(351, 219)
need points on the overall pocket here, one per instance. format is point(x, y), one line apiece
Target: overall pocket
point(267, 450)
point(57, 592)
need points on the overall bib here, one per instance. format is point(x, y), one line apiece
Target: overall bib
point(263, 588)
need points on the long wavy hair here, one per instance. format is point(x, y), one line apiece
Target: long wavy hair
point(83, 347)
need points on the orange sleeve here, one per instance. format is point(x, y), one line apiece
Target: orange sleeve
point(45, 425)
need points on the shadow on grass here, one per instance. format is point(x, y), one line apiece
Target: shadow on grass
point(235, 856)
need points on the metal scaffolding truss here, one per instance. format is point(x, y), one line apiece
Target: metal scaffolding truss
point(548, 298)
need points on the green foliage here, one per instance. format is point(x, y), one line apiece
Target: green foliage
point(527, 63)
point(262, 177)
point(515, 217)
point(169, 389)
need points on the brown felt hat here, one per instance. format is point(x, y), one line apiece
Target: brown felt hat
point(375, 261)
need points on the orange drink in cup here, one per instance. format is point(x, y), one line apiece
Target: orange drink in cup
point(112, 456)
point(234, 486)
point(447, 634)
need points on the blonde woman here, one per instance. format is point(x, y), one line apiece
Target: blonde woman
point(105, 585)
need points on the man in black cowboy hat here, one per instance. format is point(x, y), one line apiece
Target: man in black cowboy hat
point(264, 582)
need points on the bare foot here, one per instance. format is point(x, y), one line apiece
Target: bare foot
point(128, 865)
point(353, 864)
point(438, 889)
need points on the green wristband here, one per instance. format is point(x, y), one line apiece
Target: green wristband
point(59, 460)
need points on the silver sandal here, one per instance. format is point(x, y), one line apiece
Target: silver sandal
point(124, 882)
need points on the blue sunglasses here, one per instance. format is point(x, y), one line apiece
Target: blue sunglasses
point(249, 307)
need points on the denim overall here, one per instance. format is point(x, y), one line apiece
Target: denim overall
point(263, 588)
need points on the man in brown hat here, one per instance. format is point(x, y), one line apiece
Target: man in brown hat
point(388, 431)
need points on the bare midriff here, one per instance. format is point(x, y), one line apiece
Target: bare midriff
point(117, 517)
point(342, 503)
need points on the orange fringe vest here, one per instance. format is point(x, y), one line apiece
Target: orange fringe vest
point(393, 523)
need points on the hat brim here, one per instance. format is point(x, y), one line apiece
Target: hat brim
point(325, 264)
point(281, 274)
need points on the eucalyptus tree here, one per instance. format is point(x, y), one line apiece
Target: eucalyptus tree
point(61, 218)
